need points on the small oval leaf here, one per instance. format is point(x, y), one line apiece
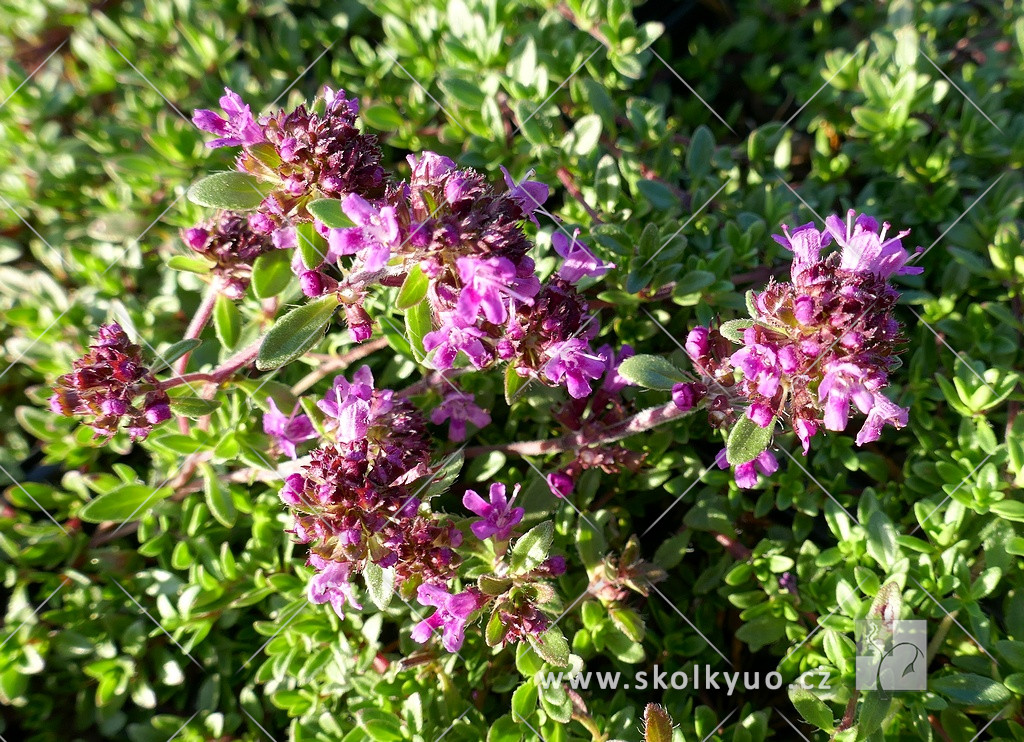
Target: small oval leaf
point(747, 440)
point(123, 503)
point(230, 190)
point(652, 372)
point(296, 332)
point(328, 211)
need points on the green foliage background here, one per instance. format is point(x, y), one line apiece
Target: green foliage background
point(911, 111)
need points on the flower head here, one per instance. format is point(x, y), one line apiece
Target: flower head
point(109, 385)
point(818, 347)
point(498, 516)
point(233, 241)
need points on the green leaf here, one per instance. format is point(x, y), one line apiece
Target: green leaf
point(312, 246)
point(651, 372)
point(872, 712)
point(194, 407)
point(190, 264)
point(524, 700)
point(552, 646)
point(514, 383)
point(747, 440)
point(227, 322)
point(495, 630)
point(271, 274)
point(971, 690)
point(218, 496)
point(173, 353)
point(417, 324)
point(700, 152)
point(380, 726)
point(446, 475)
point(881, 545)
point(657, 724)
point(382, 117)
point(414, 288)
point(328, 211)
point(532, 548)
point(586, 135)
point(812, 708)
point(380, 583)
point(230, 190)
point(1009, 509)
point(296, 332)
point(129, 501)
point(733, 329)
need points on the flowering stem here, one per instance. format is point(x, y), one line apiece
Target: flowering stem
point(574, 190)
point(649, 418)
point(199, 320)
point(239, 360)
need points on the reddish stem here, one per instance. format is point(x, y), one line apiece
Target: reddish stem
point(640, 422)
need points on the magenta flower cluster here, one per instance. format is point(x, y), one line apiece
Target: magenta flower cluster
point(111, 385)
point(357, 502)
point(443, 223)
point(817, 346)
point(232, 241)
point(354, 501)
point(311, 154)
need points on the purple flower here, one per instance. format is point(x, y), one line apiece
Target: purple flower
point(579, 260)
point(292, 489)
point(529, 194)
point(498, 517)
point(573, 362)
point(331, 583)
point(697, 342)
point(428, 168)
point(489, 283)
point(238, 129)
point(613, 382)
point(451, 616)
point(376, 235)
point(761, 414)
point(746, 474)
point(844, 381)
point(805, 242)
point(287, 430)
point(460, 408)
point(560, 484)
point(882, 411)
point(453, 336)
point(759, 364)
point(864, 251)
point(687, 395)
point(805, 430)
point(349, 405)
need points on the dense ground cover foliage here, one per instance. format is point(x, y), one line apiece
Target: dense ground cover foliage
point(351, 412)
